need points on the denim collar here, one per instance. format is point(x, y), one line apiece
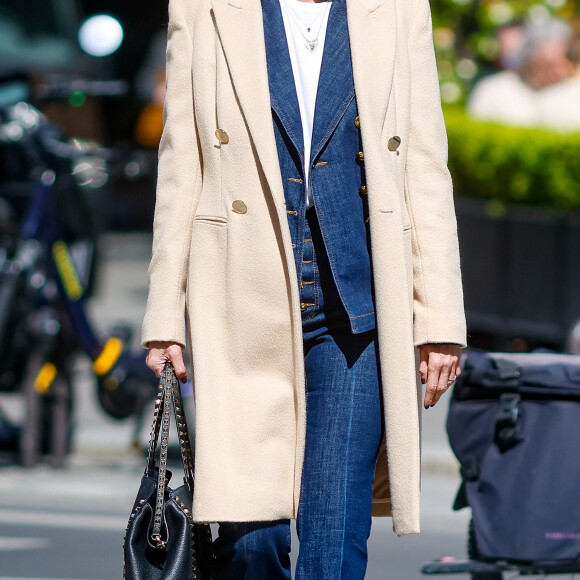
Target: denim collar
point(283, 96)
point(335, 86)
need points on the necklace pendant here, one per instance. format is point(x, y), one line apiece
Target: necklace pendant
point(311, 45)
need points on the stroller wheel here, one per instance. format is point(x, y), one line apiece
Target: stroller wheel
point(473, 554)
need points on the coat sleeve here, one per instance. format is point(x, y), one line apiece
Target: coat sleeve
point(178, 191)
point(438, 296)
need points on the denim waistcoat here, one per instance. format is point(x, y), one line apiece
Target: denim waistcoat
point(336, 172)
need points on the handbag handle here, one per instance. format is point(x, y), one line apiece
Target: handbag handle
point(169, 396)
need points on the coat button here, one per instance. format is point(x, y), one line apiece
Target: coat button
point(362, 190)
point(222, 136)
point(360, 156)
point(394, 143)
point(239, 206)
point(357, 122)
point(303, 306)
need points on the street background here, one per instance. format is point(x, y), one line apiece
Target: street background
point(509, 75)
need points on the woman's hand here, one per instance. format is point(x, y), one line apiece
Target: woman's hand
point(439, 368)
point(162, 352)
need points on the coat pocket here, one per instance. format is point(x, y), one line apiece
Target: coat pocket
point(215, 220)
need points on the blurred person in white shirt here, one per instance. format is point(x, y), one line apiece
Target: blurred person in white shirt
point(514, 97)
point(560, 104)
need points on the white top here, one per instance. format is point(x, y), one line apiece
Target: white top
point(305, 25)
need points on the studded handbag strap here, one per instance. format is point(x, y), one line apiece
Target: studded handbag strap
point(155, 428)
point(169, 396)
point(183, 433)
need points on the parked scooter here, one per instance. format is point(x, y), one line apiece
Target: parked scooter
point(47, 270)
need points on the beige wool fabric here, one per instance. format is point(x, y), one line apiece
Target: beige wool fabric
point(234, 273)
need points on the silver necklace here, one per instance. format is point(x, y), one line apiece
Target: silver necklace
point(307, 26)
point(310, 43)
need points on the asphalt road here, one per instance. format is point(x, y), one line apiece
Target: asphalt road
point(69, 523)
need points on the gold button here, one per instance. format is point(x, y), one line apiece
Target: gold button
point(360, 156)
point(239, 206)
point(362, 190)
point(303, 306)
point(222, 136)
point(394, 143)
point(357, 123)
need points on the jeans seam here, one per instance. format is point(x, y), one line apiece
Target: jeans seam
point(346, 468)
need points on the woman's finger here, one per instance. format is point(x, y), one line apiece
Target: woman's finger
point(454, 372)
point(424, 364)
point(175, 355)
point(443, 383)
point(432, 380)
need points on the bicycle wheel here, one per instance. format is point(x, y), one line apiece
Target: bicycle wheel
point(57, 425)
point(30, 434)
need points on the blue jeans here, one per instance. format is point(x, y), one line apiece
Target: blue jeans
point(343, 434)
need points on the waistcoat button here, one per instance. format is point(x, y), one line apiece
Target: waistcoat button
point(362, 190)
point(239, 206)
point(357, 123)
point(360, 156)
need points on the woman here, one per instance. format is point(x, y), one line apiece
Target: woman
point(307, 285)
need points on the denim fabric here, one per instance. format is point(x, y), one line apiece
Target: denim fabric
point(252, 551)
point(336, 176)
point(343, 427)
point(343, 434)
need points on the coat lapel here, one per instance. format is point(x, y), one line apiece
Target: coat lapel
point(335, 85)
point(372, 26)
point(241, 32)
point(282, 87)
point(372, 33)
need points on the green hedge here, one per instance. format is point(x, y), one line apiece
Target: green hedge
point(512, 165)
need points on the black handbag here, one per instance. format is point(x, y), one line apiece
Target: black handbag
point(162, 542)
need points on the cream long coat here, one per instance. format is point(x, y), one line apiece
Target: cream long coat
point(235, 272)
